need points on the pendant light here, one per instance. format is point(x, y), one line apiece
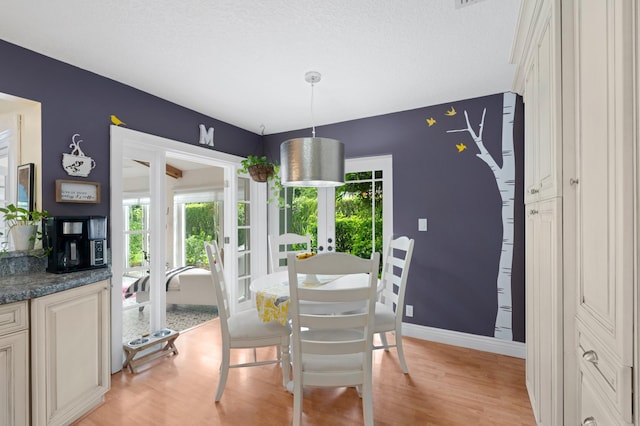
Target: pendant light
point(315, 162)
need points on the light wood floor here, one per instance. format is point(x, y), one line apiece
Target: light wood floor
point(446, 385)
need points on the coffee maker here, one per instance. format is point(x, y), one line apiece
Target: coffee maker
point(75, 243)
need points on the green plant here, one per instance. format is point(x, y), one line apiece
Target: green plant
point(272, 178)
point(14, 216)
point(17, 216)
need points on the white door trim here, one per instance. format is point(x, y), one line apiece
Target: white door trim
point(122, 141)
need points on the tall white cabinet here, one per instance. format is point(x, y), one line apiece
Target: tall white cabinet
point(539, 82)
point(577, 75)
point(599, 116)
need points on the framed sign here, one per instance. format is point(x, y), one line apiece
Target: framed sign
point(75, 191)
point(25, 197)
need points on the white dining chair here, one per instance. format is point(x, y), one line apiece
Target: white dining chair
point(335, 349)
point(280, 246)
point(244, 330)
point(391, 291)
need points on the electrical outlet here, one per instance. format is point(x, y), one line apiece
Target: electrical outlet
point(409, 310)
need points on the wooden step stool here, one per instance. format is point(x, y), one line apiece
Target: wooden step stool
point(134, 347)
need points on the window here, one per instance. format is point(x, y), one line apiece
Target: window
point(244, 240)
point(197, 218)
point(135, 216)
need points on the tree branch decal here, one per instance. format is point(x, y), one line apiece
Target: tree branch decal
point(505, 181)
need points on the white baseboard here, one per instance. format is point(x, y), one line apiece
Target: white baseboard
point(471, 341)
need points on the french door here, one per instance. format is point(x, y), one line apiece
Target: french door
point(142, 222)
point(356, 218)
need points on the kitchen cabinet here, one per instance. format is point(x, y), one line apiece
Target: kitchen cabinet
point(581, 147)
point(70, 360)
point(539, 81)
point(544, 305)
point(600, 258)
point(14, 364)
point(542, 91)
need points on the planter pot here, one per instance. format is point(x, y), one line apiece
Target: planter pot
point(261, 172)
point(23, 237)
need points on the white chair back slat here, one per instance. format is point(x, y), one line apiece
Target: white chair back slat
point(243, 329)
point(334, 349)
point(390, 306)
point(280, 246)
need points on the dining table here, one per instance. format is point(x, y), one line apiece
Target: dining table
point(271, 294)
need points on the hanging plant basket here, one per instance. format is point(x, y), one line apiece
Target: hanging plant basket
point(261, 172)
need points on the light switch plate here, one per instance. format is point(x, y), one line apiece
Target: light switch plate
point(422, 224)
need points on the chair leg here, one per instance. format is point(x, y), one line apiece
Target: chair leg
point(367, 404)
point(383, 338)
point(285, 362)
point(400, 351)
point(224, 372)
point(297, 404)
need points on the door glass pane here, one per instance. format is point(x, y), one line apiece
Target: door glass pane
point(300, 216)
point(359, 214)
point(358, 219)
point(244, 240)
point(136, 279)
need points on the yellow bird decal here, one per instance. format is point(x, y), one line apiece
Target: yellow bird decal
point(451, 112)
point(115, 120)
point(461, 147)
point(431, 121)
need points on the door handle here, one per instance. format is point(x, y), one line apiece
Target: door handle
point(590, 356)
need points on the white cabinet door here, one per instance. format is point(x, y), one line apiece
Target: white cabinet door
point(543, 148)
point(604, 166)
point(70, 353)
point(14, 379)
point(544, 307)
point(14, 364)
point(594, 411)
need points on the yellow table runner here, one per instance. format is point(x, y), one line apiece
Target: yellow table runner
point(273, 303)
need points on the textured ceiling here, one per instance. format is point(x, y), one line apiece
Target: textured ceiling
point(244, 61)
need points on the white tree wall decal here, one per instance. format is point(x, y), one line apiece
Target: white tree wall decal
point(505, 180)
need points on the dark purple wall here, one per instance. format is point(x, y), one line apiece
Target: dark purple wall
point(452, 281)
point(77, 101)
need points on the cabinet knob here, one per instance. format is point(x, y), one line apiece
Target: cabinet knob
point(534, 191)
point(533, 211)
point(590, 356)
point(589, 421)
point(573, 181)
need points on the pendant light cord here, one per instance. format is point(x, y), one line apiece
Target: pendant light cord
point(313, 126)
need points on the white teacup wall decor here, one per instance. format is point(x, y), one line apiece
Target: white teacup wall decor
point(76, 163)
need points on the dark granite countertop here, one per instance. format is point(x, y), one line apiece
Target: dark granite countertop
point(14, 288)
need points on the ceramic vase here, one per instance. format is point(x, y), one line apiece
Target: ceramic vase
point(23, 237)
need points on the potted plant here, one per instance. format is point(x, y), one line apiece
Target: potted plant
point(23, 226)
point(262, 170)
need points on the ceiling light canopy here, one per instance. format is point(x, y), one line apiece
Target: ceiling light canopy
point(316, 162)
